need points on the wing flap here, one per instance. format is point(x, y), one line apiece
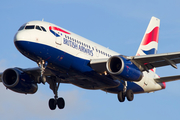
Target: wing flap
point(167, 79)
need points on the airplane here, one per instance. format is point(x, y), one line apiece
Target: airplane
point(65, 57)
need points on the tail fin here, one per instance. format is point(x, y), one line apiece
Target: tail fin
point(149, 43)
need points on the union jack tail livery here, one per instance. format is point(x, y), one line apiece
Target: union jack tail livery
point(149, 43)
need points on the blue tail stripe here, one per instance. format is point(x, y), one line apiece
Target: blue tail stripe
point(151, 51)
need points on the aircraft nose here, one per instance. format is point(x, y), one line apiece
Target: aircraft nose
point(20, 36)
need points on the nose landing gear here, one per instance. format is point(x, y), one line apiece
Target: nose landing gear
point(42, 64)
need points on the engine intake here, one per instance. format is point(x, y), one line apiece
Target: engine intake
point(122, 68)
point(18, 81)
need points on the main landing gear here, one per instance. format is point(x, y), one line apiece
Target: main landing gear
point(54, 85)
point(53, 102)
point(125, 93)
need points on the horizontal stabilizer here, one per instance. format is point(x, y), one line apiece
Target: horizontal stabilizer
point(167, 79)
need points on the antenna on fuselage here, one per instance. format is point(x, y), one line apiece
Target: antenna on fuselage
point(43, 19)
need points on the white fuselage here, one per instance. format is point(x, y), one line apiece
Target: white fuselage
point(76, 46)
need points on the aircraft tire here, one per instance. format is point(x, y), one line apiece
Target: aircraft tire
point(60, 103)
point(130, 95)
point(52, 104)
point(121, 97)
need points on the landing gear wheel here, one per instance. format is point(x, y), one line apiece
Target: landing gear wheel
point(52, 104)
point(121, 97)
point(54, 85)
point(130, 95)
point(60, 103)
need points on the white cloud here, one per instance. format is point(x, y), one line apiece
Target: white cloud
point(18, 106)
point(3, 63)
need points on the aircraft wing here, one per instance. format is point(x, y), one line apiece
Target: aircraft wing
point(98, 65)
point(36, 71)
point(167, 79)
point(144, 62)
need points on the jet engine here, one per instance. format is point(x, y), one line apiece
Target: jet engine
point(123, 69)
point(18, 81)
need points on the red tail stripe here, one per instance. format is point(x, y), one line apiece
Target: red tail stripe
point(152, 36)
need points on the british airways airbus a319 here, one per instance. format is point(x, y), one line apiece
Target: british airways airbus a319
point(65, 57)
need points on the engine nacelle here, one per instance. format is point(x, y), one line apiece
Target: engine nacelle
point(122, 68)
point(18, 81)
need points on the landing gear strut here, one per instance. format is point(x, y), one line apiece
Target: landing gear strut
point(125, 93)
point(42, 64)
point(54, 85)
point(53, 102)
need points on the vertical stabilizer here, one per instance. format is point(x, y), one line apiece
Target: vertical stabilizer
point(149, 43)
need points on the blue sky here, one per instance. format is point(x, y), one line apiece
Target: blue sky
point(116, 24)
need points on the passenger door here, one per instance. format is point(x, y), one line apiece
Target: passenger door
point(59, 39)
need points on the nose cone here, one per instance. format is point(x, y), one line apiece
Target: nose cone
point(19, 38)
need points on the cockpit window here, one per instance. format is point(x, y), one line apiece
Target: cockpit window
point(21, 28)
point(38, 28)
point(29, 27)
point(43, 29)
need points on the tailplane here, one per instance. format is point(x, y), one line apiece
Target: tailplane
point(149, 43)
